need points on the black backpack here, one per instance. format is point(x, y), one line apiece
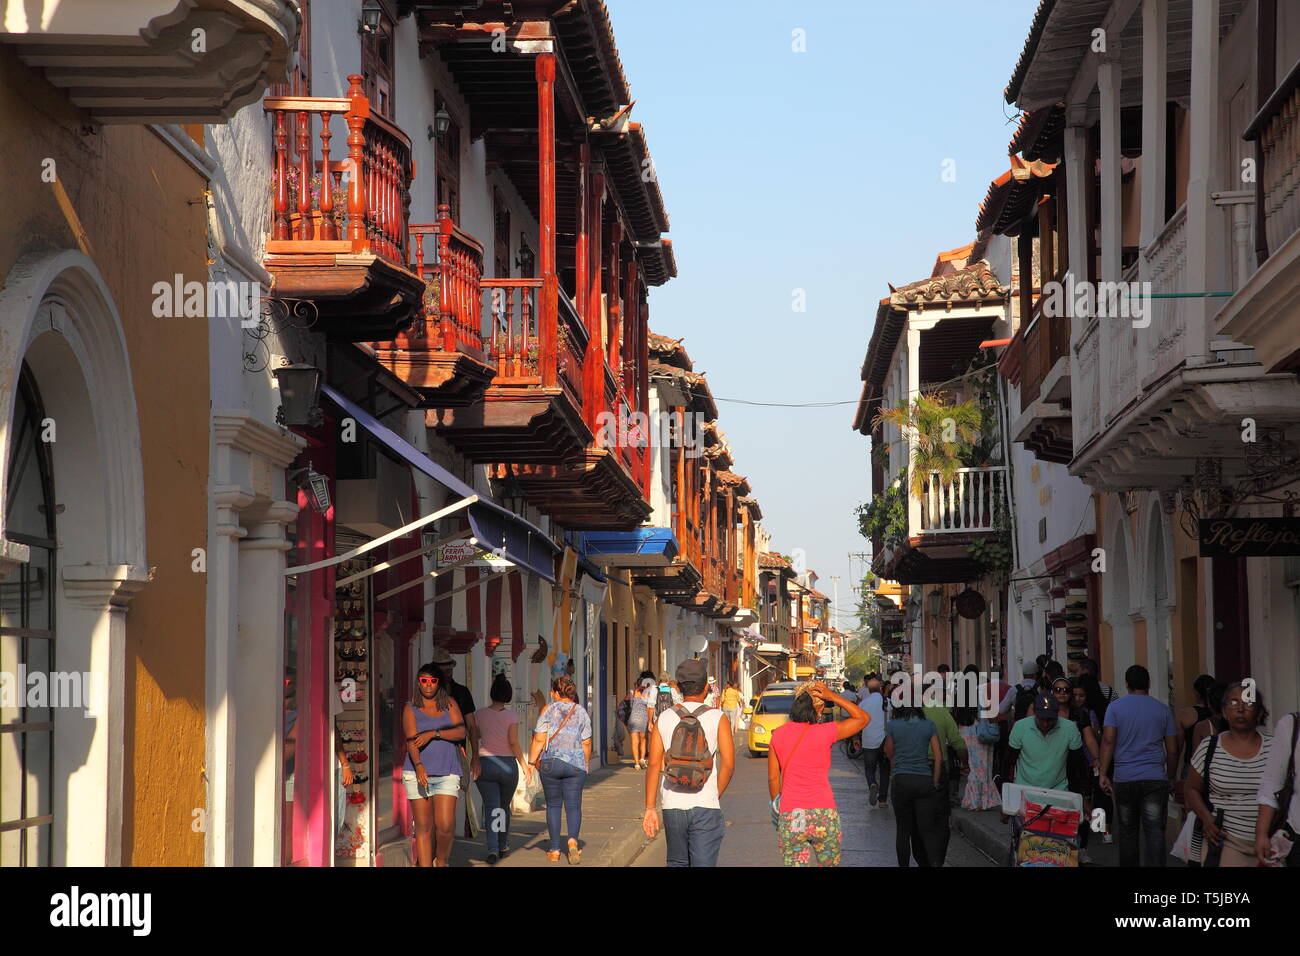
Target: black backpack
point(663, 701)
point(1024, 700)
point(689, 761)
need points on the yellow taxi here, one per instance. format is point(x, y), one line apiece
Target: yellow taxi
point(766, 712)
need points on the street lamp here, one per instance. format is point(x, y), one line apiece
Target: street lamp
point(299, 392)
point(370, 13)
point(525, 258)
point(441, 123)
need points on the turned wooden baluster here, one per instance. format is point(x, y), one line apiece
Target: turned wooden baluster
point(327, 230)
point(447, 337)
point(420, 328)
point(530, 365)
point(281, 227)
point(356, 119)
point(304, 176)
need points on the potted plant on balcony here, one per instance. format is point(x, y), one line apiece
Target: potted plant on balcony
point(946, 433)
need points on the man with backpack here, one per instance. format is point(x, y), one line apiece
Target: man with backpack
point(692, 757)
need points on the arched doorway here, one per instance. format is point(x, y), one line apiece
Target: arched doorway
point(69, 389)
point(27, 638)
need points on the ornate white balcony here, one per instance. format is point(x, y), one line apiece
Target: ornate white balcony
point(155, 61)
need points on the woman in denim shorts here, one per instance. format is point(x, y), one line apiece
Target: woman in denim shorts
point(431, 724)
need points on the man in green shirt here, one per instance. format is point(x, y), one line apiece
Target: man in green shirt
point(1040, 745)
point(954, 751)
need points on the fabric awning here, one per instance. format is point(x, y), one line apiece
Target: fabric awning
point(496, 528)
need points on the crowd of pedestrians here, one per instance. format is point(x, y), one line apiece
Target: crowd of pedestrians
point(1123, 754)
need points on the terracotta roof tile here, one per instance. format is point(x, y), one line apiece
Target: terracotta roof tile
point(974, 283)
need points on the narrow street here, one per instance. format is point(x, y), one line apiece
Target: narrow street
point(751, 839)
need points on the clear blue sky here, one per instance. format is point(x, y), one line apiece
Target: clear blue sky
point(818, 171)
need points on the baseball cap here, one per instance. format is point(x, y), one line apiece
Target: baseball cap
point(1029, 670)
point(692, 671)
point(1045, 706)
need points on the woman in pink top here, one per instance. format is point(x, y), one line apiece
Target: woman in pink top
point(501, 760)
point(798, 776)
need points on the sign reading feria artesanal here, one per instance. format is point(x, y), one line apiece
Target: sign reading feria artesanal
point(470, 556)
point(1249, 537)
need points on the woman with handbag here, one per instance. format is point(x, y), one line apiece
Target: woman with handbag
point(561, 751)
point(1223, 783)
point(431, 724)
point(798, 776)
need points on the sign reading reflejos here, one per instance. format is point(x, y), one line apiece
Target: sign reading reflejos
point(1249, 537)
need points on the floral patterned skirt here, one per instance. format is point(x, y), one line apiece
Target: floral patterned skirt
point(980, 794)
point(809, 838)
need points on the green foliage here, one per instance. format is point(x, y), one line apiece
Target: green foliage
point(885, 516)
point(946, 435)
point(993, 553)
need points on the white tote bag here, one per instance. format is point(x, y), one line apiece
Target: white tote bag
point(1183, 845)
point(527, 790)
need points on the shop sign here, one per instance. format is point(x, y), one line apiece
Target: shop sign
point(1249, 537)
point(470, 557)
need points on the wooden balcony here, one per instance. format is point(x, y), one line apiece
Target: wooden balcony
point(944, 523)
point(339, 234)
point(442, 355)
point(1263, 312)
point(506, 381)
point(1044, 422)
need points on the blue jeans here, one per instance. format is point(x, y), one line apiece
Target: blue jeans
point(874, 760)
point(563, 789)
point(496, 783)
point(1144, 805)
point(694, 836)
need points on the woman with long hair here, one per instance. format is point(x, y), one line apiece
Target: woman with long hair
point(979, 792)
point(798, 775)
point(432, 724)
point(501, 761)
point(638, 721)
point(561, 751)
point(912, 746)
point(1223, 782)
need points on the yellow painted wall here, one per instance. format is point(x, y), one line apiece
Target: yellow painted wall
point(130, 194)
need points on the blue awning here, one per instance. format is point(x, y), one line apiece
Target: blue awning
point(639, 547)
point(495, 527)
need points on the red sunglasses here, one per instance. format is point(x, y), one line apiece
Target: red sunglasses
point(428, 680)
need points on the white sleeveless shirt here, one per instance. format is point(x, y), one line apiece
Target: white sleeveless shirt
point(708, 796)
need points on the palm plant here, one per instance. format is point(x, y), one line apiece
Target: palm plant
point(945, 433)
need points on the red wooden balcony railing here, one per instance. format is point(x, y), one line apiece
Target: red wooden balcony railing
point(511, 308)
point(356, 203)
point(451, 263)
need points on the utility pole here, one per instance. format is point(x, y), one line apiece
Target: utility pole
point(835, 599)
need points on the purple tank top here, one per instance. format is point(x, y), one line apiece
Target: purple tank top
point(438, 756)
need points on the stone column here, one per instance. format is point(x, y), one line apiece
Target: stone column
point(90, 745)
point(258, 689)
